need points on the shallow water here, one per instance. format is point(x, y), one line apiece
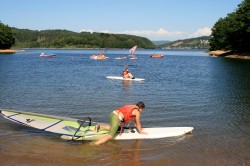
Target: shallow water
point(185, 88)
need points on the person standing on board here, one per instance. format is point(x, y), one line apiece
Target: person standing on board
point(127, 74)
point(123, 114)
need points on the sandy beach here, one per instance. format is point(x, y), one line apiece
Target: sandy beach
point(9, 51)
point(229, 54)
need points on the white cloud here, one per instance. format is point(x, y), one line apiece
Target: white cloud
point(160, 34)
point(201, 32)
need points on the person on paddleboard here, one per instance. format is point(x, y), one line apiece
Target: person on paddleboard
point(127, 74)
point(121, 117)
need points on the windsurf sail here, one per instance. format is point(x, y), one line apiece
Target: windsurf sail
point(55, 124)
point(132, 50)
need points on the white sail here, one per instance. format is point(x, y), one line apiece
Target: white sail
point(132, 50)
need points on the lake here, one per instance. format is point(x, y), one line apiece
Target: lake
point(185, 88)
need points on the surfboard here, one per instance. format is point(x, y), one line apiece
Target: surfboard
point(132, 133)
point(75, 129)
point(121, 57)
point(121, 78)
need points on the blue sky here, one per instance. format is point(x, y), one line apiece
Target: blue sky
point(154, 19)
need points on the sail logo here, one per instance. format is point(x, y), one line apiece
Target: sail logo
point(29, 120)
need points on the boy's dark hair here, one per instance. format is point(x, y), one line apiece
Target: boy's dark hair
point(140, 105)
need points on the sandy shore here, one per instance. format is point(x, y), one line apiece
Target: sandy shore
point(229, 54)
point(216, 53)
point(9, 51)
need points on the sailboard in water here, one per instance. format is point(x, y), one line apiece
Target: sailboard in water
point(132, 51)
point(75, 129)
point(121, 78)
point(54, 124)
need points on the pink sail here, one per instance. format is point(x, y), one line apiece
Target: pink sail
point(132, 50)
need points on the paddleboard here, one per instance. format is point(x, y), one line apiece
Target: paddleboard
point(132, 133)
point(75, 129)
point(121, 57)
point(121, 78)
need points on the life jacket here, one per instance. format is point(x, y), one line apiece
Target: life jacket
point(127, 112)
point(124, 73)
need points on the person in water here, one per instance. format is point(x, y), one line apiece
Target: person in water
point(121, 117)
point(127, 74)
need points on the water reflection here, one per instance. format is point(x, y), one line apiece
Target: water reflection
point(230, 85)
point(128, 152)
point(126, 84)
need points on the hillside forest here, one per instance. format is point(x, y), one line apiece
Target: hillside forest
point(229, 33)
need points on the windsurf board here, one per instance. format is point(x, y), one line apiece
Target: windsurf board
point(121, 78)
point(132, 133)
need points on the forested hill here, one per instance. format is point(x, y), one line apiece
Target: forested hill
point(25, 38)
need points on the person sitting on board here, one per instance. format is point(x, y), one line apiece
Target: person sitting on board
point(123, 114)
point(101, 56)
point(127, 74)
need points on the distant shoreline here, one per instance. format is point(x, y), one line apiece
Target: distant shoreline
point(216, 53)
point(229, 54)
point(9, 51)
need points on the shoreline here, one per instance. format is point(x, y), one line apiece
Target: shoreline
point(216, 53)
point(229, 54)
point(9, 51)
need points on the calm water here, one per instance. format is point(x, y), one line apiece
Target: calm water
point(185, 88)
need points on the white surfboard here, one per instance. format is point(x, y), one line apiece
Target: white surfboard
point(154, 133)
point(132, 133)
point(121, 57)
point(121, 78)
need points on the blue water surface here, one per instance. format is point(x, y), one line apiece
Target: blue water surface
point(185, 88)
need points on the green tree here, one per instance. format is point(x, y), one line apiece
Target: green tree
point(233, 31)
point(68, 39)
point(6, 37)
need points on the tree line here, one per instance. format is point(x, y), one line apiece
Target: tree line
point(25, 38)
point(6, 37)
point(229, 33)
point(67, 39)
point(233, 31)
